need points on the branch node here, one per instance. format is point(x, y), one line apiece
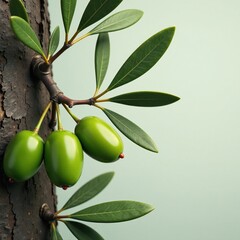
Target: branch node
point(42, 71)
point(45, 213)
point(92, 101)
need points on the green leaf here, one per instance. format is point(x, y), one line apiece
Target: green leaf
point(131, 130)
point(17, 8)
point(67, 8)
point(82, 232)
point(118, 21)
point(102, 54)
point(89, 190)
point(54, 41)
point(145, 99)
point(55, 235)
point(116, 211)
point(143, 58)
point(25, 34)
point(96, 10)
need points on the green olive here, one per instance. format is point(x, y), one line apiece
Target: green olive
point(99, 140)
point(63, 158)
point(23, 156)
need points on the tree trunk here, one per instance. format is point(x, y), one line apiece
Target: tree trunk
point(22, 101)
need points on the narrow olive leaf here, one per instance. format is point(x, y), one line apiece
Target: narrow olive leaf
point(116, 211)
point(89, 190)
point(143, 58)
point(145, 99)
point(55, 235)
point(96, 10)
point(118, 21)
point(54, 41)
point(131, 130)
point(102, 54)
point(17, 8)
point(82, 232)
point(67, 8)
point(25, 34)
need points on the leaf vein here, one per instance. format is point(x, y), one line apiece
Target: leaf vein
point(140, 62)
point(86, 23)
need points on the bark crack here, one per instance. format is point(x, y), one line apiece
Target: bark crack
point(3, 62)
point(41, 26)
point(13, 212)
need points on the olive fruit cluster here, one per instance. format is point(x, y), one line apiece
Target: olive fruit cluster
point(62, 154)
point(62, 151)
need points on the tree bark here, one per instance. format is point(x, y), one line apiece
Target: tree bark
point(22, 100)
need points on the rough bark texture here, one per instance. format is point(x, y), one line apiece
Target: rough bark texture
point(22, 101)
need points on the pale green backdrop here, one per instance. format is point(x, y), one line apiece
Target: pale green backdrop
point(194, 180)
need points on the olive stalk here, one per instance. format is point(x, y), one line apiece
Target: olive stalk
point(73, 116)
point(53, 122)
point(60, 126)
point(37, 128)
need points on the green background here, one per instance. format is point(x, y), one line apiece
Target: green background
point(194, 180)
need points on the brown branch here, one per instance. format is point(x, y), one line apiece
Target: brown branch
point(41, 70)
point(60, 52)
point(46, 214)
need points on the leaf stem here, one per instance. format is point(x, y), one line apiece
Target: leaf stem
point(62, 216)
point(100, 95)
point(96, 105)
point(73, 37)
point(74, 41)
point(36, 129)
point(45, 59)
point(96, 92)
point(59, 211)
point(53, 225)
point(66, 38)
point(102, 100)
